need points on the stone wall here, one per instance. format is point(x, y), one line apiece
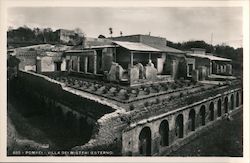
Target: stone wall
point(130, 137)
point(132, 38)
point(48, 63)
point(27, 63)
point(146, 39)
point(203, 62)
point(107, 58)
point(54, 90)
point(123, 57)
point(152, 40)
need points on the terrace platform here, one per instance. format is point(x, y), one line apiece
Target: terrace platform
point(138, 96)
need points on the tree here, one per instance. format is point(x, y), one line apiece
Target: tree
point(110, 31)
point(48, 34)
point(101, 36)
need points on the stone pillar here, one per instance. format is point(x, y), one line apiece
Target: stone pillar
point(210, 68)
point(131, 59)
point(195, 75)
point(85, 64)
point(94, 62)
point(202, 73)
point(171, 130)
point(186, 123)
point(217, 69)
point(114, 57)
point(197, 119)
point(78, 63)
point(230, 69)
point(174, 69)
point(70, 65)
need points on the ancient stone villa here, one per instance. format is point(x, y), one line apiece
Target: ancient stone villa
point(137, 95)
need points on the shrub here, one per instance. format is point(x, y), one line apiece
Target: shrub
point(181, 85)
point(166, 87)
point(126, 95)
point(146, 104)
point(157, 88)
point(131, 107)
point(114, 94)
point(158, 101)
point(95, 88)
point(147, 90)
point(173, 86)
point(129, 90)
point(122, 119)
point(105, 91)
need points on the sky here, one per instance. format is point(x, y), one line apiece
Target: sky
point(177, 24)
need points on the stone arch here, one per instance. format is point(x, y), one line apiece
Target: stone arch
point(226, 104)
point(219, 108)
point(164, 133)
point(232, 102)
point(179, 126)
point(211, 111)
point(191, 119)
point(203, 115)
point(145, 142)
point(237, 99)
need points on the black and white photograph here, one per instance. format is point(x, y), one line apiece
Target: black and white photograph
point(125, 81)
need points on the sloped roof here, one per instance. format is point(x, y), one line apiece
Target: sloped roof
point(210, 57)
point(167, 49)
point(36, 47)
point(135, 46)
point(44, 47)
point(100, 46)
